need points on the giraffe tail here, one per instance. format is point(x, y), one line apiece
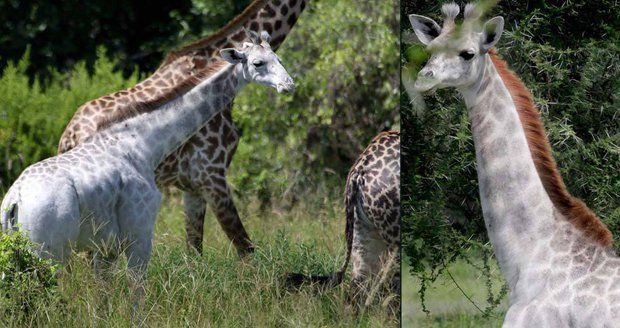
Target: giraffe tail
point(354, 210)
point(8, 213)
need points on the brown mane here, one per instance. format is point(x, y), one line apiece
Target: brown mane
point(235, 23)
point(572, 208)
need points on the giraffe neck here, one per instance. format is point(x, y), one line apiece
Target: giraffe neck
point(518, 213)
point(278, 19)
point(151, 136)
point(275, 17)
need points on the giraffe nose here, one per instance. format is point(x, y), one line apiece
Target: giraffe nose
point(429, 73)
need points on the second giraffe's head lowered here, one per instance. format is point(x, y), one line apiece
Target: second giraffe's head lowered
point(259, 63)
point(457, 52)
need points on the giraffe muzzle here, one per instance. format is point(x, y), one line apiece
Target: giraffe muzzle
point(425, 81)
point(288, 87)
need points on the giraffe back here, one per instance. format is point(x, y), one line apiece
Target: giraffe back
point(373, 187)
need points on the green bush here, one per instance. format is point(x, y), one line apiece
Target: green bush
point(32, 118)
point(25, 279)
point(568, 56)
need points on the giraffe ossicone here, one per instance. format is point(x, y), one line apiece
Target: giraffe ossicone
point(104, 197)
point(554, 252)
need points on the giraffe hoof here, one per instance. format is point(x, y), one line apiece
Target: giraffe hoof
point(244, 252)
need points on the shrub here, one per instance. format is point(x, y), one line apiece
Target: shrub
point(133, 32)
point(25, 279)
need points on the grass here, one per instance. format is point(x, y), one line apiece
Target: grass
point(218, 289)
point(447, 305)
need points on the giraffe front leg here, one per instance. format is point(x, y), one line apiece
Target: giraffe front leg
point(195, 208)
point(137, 211)
point(103, 264)
point(138, 254)
point(221, 201)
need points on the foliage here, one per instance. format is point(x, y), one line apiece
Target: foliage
point(26, 281)
point(134, 32)
point(567, 54)
point(458, 297)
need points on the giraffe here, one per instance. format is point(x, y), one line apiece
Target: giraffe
point(198, 167)
point(554, 252)
point(104, 197)
point(372, 230)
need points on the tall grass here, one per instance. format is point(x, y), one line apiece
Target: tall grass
point(218, 289)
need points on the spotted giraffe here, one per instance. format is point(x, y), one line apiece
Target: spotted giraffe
point(372, 230)
point(200, 165)
point(556, 255)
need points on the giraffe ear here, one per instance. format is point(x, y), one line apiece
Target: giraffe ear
point(491, 32)
point(425, 28)
point(232, 55)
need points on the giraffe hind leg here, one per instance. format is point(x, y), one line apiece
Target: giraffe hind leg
point(224, 209)
point(223, 206)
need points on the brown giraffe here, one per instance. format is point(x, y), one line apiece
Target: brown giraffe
point(200, 165)
point(372, 231)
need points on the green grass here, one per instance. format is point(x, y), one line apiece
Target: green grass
point(218, 289)
point(447, 305)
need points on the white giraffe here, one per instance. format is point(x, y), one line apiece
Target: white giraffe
point(555, 254)
point(101, 195)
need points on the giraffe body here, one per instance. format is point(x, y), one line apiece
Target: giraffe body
point(101, 196)
point(200, 165)
point(372, 200)
point(372, 205)
point(553, 251)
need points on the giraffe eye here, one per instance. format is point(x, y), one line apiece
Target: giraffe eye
point(467, 55)
point(259, 63)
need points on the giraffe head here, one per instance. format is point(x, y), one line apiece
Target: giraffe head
point(457, 53)
point(259, 63)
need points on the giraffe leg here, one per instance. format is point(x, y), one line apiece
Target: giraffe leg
point(368, 254)
point(103, 264)
point(138, 254)
point(195, 207)
point(223, 206)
